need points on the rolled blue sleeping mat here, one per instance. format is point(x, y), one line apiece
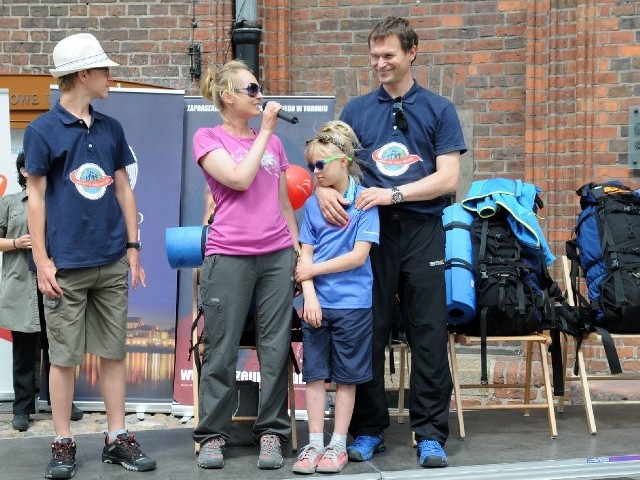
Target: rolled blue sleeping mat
point(458, 255)
point(185, 246)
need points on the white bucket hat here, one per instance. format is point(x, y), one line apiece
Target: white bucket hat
point(79, 52)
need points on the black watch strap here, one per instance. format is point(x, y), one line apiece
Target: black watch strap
point(135, 245)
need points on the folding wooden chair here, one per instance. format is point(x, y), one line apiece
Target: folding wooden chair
point(582, 376)
point(542, 340)
point(403, 375)
point(196, 380)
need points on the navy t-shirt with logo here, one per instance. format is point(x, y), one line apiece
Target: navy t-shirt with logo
point(393, 157)
point(84, 223)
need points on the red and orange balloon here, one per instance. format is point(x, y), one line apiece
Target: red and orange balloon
point(299, 185)
point(3, 184)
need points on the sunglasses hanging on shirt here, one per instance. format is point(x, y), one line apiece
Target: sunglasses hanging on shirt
point(399, 115)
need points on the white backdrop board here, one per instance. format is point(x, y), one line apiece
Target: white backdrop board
point(8, 184)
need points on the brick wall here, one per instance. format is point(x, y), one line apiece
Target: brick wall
point(543, 87)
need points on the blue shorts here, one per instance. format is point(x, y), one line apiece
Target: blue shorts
point(340, 349)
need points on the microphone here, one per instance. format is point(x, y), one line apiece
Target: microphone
point(282, 115)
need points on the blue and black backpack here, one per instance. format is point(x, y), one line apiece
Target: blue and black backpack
point(605, 251)
point(606, 247)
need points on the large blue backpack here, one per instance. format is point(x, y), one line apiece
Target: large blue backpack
point(605, 250)
point(606, 246)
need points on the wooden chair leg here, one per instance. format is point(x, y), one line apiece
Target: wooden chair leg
point(528, 358)
point(292, 410)
point(586, 393)
point(403, 365)
point(456, 385)
point(553, 429)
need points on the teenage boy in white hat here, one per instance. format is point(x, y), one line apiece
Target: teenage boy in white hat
point(83, 224)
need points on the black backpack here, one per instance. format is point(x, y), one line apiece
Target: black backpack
point(515, 294)
point(605, 251)
point(606, 247)
point(509, 297)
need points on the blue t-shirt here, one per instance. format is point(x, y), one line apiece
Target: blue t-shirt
point(352, 288)
point(392, 157)
point(84, 223)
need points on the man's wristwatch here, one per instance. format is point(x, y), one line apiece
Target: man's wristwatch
point(135, 245)
point(396, 196)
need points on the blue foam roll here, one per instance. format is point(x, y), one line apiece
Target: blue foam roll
point(185, 246)
point(459, 276)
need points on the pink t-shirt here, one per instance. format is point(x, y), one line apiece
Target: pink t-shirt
point(249, 222)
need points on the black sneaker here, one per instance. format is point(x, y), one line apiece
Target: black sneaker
point(63, 461)
point(125, 450)
point(76, 413)
point(20, 422)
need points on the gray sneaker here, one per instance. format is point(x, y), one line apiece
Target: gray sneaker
point(210, 455)
point(270, 453)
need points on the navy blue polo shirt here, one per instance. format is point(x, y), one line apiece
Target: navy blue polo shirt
point(391, 156)
point(84, 223)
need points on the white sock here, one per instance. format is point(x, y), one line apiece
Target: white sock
point(317, 440)
point(112, 436)
point(58, 438)
point(339, 442)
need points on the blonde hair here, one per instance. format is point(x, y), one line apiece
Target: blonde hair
point(340, 135)
point(66, 82)
point(222, 79)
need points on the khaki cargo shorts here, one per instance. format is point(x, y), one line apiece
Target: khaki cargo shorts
point(91, 315)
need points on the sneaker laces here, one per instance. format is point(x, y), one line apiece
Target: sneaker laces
point(213, 446)
point(426, 447)
point(309, 452)
point(269, 445)
point(130, 444)
point(366, 441)
point(331, 453)
point(62, 452)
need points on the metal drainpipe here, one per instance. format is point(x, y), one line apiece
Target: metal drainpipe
point(246, 34)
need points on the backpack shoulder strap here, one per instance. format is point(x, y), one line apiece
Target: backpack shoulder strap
point(194, 347)
point(609, 350)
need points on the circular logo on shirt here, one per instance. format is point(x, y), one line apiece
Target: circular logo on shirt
point(91, 181)
point(393, 159)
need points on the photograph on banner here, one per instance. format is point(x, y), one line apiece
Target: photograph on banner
point(311, 112)
point(153, 124)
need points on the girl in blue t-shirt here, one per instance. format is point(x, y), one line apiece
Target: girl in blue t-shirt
point(336, 278)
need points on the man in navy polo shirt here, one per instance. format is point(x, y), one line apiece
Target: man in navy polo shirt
point(82, 218)
point(412, 142)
